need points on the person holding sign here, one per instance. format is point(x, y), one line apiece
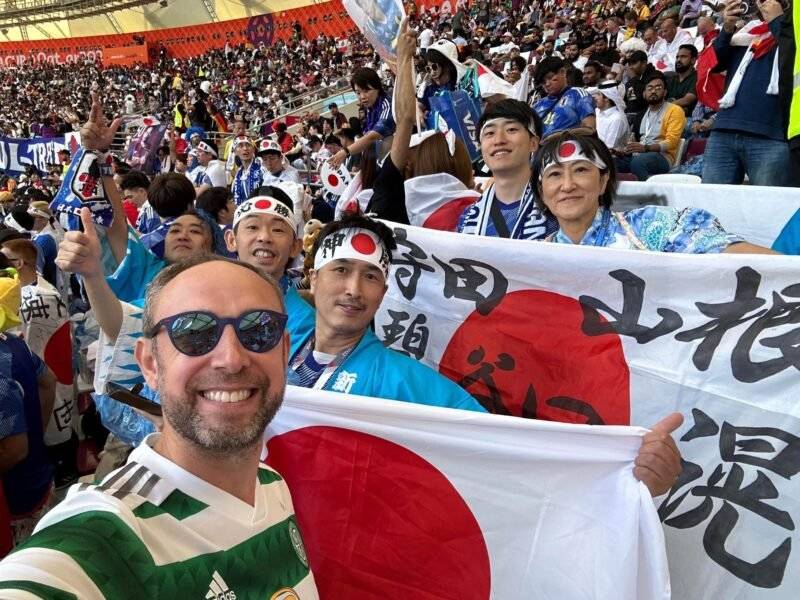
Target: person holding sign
point(576, 179)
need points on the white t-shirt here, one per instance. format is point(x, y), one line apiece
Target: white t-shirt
point(215, 174)
point(425, 38)
point(612, 127)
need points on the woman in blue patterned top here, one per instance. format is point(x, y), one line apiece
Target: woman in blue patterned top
point(576, 180)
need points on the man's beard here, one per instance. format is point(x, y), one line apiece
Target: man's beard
point(681, 68)
point(654, 101)
point(183, 417)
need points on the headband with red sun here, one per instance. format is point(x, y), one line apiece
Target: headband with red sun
point(568, 152)
point(353, 243)
point(264, 205)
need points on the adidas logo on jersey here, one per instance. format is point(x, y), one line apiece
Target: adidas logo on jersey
point(218, 589)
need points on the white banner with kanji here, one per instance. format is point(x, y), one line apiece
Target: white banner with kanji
point(601, 336)
point(398, 500)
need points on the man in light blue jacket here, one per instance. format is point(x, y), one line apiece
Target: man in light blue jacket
point(340, 353)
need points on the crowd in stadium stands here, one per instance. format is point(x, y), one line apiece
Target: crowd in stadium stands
point(210, 90)
point(572, 97)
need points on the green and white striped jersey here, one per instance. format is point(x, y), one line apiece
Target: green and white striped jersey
point(153, 530)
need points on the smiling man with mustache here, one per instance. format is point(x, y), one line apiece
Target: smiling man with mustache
point(336, 350)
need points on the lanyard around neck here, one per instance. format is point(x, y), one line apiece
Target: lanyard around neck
point(331, 367)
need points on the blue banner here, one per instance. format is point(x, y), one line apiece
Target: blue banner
point(16, 155)
point(461, 113)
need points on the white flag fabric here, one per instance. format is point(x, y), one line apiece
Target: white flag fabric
point(398, 501)
point(596, 335)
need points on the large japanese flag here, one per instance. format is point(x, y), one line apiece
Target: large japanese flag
point(399, 501)
point(595, 335)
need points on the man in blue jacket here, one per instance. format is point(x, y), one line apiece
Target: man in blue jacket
point(749, 135)
point(340, 353)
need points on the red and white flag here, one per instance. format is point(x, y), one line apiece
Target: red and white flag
point(398, 501)
point(437, 201)
point(603, 336)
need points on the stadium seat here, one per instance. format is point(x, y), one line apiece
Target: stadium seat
point(626, 177)
point(695, 147)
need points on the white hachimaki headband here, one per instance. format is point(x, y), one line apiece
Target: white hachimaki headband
point(206, 148)
point(570, 152)
point(264, 205)
point(531, 125)
point(354, 243)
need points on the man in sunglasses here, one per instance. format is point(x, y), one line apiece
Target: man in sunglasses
point(265, 236)
point(193, 513)
point(335, 349)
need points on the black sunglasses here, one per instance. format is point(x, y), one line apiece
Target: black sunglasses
point(196, 333)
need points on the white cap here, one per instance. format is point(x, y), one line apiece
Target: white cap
point(268, 145)
point(449, 50)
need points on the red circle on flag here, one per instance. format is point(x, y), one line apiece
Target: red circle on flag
point(147, 122)
point(263, 204)
point(445, 218)
point(363, 244)
point(333, 179)
point(540, 361)
point(378, 520)
point(567, 149)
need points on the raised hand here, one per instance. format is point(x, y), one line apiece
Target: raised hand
point(79, 251)
point(97, 133)
point(659, 461)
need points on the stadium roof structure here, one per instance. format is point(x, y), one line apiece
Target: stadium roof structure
point(53, 19)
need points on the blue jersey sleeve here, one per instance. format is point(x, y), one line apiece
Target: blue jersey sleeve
point(135, 272)
point(585, 107)
point(384, 124)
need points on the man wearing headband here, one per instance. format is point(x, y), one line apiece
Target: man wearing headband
point(193, 513)
point(209, 171)
point(272, 164)
point(508, 132)
point(249, 177)
point(335, 349)
point(27, 393)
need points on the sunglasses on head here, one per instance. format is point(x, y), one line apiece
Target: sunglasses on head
point(198, 332)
